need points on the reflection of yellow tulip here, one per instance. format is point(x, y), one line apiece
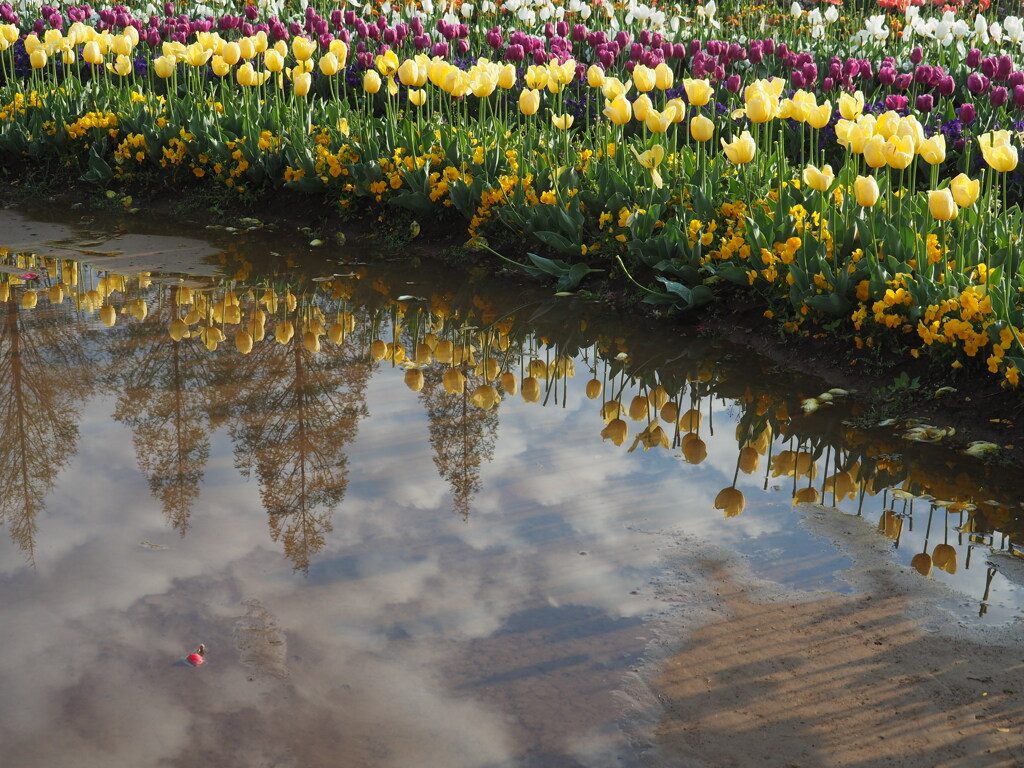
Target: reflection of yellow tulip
point(611, 410)
point(964, 190)
point(29, 298)
point(509, 383)
point(690, 421)
point(616, 431)
point(670, 413)
point(749, 460)
point(454, 381)
point(694, 449)
point(740, 150)
point(531, 389)
point(941, 205)
point(806, 496)
point(284, 332)
point(414, 379)
point(378, 349)
point(485, 397)
point(594, 389)
point(108, 315)
point(890, 524)
point(731, 501)
point(178, 329)
point(638, 408)
point(922, 563)
point(243, 342)
point(944, 558)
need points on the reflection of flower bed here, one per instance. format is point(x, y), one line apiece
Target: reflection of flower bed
point(312, 345)
point(878, 196)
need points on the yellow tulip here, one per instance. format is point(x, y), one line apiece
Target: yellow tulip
point(29, 299)
point(851, 106)
point(409, 74)
point(613, 87)
point(482, 84)
point(245, 75)
point(485, 397)
point(1000, 155)
point(219, 66)
point(529, 101)
point(698, 92)
point(651, 159)
point(731, 501)
point(121, 44)
point(676, 110)
point(231, 53)
point(663, 77)
point(865, 189)
point(619, 111)
point(874, 151)
point(658, 122)
point(122, 66)
point(910, 128)
point(507, 77)
point(91, 53)
point(818, 179)
point(701, 128)
point(761, 106)
point(941, 205)
point(328, 65)
point(641, 107)
point(898, 151)
point(414, 379)
point(643, 78)
point(273, 61)
point(818, 117)
point(108, 315)
point(303, 48)
point(371, 81)
point(740, 150)
point(340, 51)
point(595, 76)
point(933, 150)
point(562, 122)
point(246, 48)
point(302, 82)
point(197, 56)
point(887, 123)
point(37, 58)
point(417, 96)
point(964, 190)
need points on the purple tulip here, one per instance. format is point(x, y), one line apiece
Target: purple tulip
point(768, 46)
point(733, 84)
point(896, 102)
point(797, 79)
point(494, 38)
point(439, 49)
point(988, 66)
point(645, 37)
point(1018, 96)
point(946, 85)
point(678, 51)
point(462, 46)
point(903, 80)
point(923, 75)
point(781, 51)
point(695, 47)
point(916, 55)
point(976, 83)
point(925, 102)
point(828, 84)
point(515, 52)
point(967, 113)
point(1004, 67)
point(579, 32)
point(973, 58)
point(998, 96)
point(755, 54)
point(866, 72)
point(389, 36)
point(1016, 78)
point(635, 51)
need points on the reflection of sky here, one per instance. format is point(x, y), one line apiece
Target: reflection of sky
point(416, 638)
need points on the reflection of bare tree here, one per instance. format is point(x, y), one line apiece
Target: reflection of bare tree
point(461, 434)
point(42, 364)
point(295, 413)
point(164, 400)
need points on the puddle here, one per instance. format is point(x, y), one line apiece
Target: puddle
point(402, 527)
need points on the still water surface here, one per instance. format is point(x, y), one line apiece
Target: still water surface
point(415, 516)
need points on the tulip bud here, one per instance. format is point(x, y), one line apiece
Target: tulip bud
point(941, 205)
point(964, 190)
point(865, 189)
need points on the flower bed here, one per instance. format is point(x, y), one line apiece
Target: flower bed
point(838, 171)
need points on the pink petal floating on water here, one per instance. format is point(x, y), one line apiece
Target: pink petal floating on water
point(195, 659)
point(29, 276)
